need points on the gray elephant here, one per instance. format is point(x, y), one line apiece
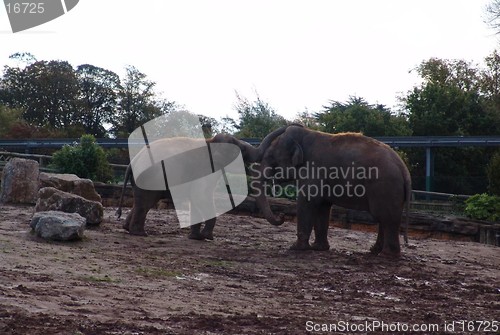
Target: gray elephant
point(144, 199)
point(349, 170)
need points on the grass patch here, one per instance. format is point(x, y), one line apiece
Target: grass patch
point(217, 263)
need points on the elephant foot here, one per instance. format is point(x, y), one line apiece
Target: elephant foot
point(299, 245)
point(391, 251)
point(125, 226)
point(321, 246)
point(390, 254)
point(137, 232)
point(376, 249)
point(207, 235)
point(196, 236)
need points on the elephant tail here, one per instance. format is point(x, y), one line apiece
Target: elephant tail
point(407, 205)
point(128, 175)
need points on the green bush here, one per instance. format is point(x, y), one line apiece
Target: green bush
point(85, 159)
point(483, 207)
point(493, 172)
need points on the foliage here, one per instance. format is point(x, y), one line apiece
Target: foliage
point(493, 15)
point(307, 119)
point(137, 103)
point(85, 159)
point(455, 98)
point(483, 207)
point(46, 91)
point(493, 172)
point(98, 94)
point(8, 117)
point(256, 118)
point(70, 102)
point(359, 116)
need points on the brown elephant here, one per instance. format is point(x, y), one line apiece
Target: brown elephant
point(144, 199)
point(349, 170)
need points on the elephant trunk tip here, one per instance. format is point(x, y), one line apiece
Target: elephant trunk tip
point(277, 221)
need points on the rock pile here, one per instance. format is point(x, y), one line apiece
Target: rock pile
point(52, 199)
point(19, 181)
point(65, 203)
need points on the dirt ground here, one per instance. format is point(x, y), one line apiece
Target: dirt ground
point(246, 281)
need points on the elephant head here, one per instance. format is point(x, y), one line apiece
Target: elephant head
point(283, 150)
point(250, 153)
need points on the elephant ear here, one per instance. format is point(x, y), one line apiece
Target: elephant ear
point(297, 155)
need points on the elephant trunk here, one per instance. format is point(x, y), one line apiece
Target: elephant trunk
point(263, 202)
point(266, 142)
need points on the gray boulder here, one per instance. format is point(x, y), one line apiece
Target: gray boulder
point(58, 226)
point(19, 181)
point(70, 183)
point(52, 199)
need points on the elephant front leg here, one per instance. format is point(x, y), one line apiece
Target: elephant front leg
point(305, 213)
point(321, 223)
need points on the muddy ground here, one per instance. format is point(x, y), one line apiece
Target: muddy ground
point(246, 281)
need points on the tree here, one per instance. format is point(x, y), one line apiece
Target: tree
point(357, 115)
point(451, 99)
point(307, 119)
point(256, 118)
point(493, 15)
point(138, 103)
point(98, 93)
point(47, 92)
point(228, 125)
point(8, 118)
point(454, 98)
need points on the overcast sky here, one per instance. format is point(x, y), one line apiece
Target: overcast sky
point(295, 54)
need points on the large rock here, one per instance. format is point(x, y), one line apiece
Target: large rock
point(70, 183)
point(19, 181)
point(59, 226)
point(52, 199)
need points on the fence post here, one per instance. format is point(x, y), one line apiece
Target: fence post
point(429, 169)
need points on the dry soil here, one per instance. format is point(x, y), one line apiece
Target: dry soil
point(246, 281)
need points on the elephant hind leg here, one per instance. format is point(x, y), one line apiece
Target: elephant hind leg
point(143, 202)
point(208, 230)
point(137, 222)
point(387, 243)
point(379, 243)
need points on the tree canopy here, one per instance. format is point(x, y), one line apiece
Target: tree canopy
point(64, 101)
point(256, 118)
point(357, 115)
